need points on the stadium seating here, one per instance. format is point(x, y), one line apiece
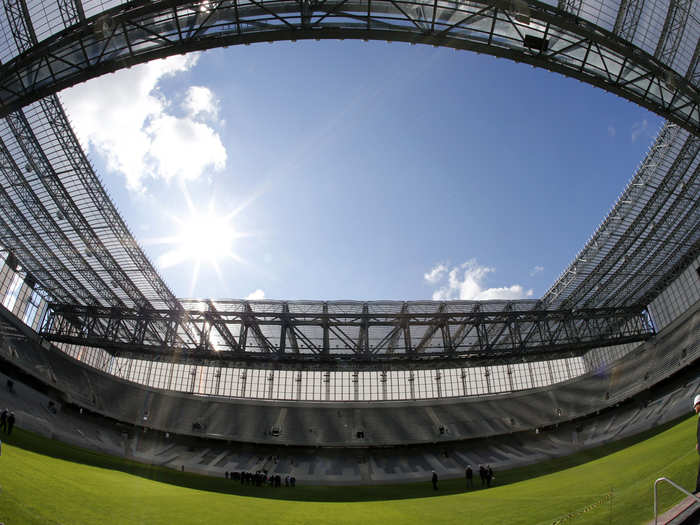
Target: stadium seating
point(334, 465)
point(351, 442)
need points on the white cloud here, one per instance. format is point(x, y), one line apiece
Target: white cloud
point(638, 129)
point(200, 101)
point(536, 270)
point(183, 148)
point(257, 295)
point(435, 274)
point(124, 118)
point(465, 282)
point(506, 292)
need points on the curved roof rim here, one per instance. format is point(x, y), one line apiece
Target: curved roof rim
point(530, 32)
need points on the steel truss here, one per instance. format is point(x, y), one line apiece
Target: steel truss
point(115, 265)
point(337, 332)
point(106, 292)
point(525, 31)
point(99, 273)
point(672, 32)
point(628, 18)
point(651, 235)
point(570, 6)
point(113, 262)
point(38, 161)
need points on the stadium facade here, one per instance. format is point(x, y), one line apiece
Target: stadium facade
point(83, 308)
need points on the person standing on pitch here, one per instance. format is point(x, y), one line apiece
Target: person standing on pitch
point(469, 475)
point(696, 407)
point(10, 422)
point(435, 480)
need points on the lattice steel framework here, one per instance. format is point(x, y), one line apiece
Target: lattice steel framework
point(349, 331)
point(628, 19)
point(82, 207)
point(526, 31)
point(58, 221)
point(71, 194)
point(649, 237)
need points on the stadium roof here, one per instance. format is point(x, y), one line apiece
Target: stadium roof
point(67, 234)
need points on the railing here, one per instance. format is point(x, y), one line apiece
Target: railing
point(656, 512)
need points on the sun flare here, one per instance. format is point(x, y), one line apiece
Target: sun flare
point(203, 236)
point(206, 237)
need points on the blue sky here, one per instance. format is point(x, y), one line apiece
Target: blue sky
point(358, 170)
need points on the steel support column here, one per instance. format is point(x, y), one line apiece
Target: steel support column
point(628, 19)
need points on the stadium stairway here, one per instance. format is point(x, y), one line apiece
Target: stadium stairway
point(687, 512)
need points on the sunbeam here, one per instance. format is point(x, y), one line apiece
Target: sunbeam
point(203, 236)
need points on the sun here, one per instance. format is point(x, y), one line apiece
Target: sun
point(206, 237)
point(202, 236)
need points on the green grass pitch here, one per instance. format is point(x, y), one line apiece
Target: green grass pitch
point(44, 482)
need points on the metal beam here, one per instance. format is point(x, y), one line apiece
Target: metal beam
point(693, 73)
point(672, 32)
point(71, 12)
point(648, 223)
point(25, 38)
point(628, 19)
point(48, 227)
point(57, 279)
point(510, 330)
point(221, 327)
point(94, 245)
point(681, 225)
point(100, 201)
point(548, 37)
point(20, 24)
point(660, 285)
point(571, 6)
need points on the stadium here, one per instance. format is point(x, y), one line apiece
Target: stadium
point(119, 385)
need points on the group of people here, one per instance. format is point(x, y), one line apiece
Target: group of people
point(485, 473)
point(261, 479)
point(7, 421)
